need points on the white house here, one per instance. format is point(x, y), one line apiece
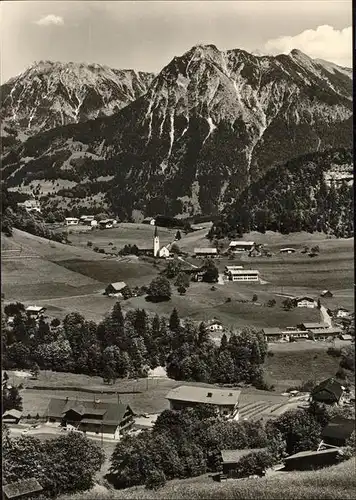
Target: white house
point(214, 325)
point(164, 252)
point(205, 252)
point(241, 246)
point(232, 268)
point(305, 302)
point(35, 311)
point(244, 275)
point(71, 221)
point(106, 224)
point(342, 312)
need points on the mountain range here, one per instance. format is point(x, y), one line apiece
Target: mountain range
point(189, 140)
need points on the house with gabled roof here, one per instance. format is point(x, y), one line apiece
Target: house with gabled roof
point(225, 401)
point(304, 301)
point(92, 417)
point(330, 391)
point(116, 288)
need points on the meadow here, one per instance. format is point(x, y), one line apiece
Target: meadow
point(331, 483)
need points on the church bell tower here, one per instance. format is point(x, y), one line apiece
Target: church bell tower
point(156, 243)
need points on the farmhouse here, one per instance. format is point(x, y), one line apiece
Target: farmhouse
point(30, 206)
point(274, 334)
point(307, 460)
point(326, 293)
point(324, 333)
point(12, 417)
point(313, 326)
point(231, 458)
point(205, 252)
point(106, 224)
point(338, 431)
point(342, 312)
point(244, 275)
point(86, 218)
point(241, 246)
point(35, 311)
point(92, 417)
point(329, 392)
point(115, 289)
point(345, 336)
point(232, 268)
point(304, 302)
point(71, 221)
point(214, 325)
point(225, 401)
point(287, 250)
point(25, 488)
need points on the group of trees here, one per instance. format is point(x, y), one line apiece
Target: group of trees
point(182, 444)
point(188, 443)
point(11, 398)
point(65, 464)
point(294, 198)
point(129, 346)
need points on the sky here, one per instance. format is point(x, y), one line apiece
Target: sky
point(146, 35)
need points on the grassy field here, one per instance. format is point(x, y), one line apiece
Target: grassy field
point(336, 482)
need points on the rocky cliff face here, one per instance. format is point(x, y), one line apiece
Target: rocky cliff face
point(210, 123)
point(49, 94)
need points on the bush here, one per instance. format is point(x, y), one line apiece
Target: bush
point(155, 480)
point(101, 250)
point(89, 244)
point(254, 464)
point(96, 249)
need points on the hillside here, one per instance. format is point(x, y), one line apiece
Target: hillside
point(309, 193)
point(337, 482)
point(210, 124)
point(49, 94)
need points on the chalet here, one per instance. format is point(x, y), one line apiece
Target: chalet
point(232, 268)
point(225, 401)
point(205, 252)
point(244, 275)
point(324, 333)
point(12, 417)
point(92, 417)
point(274, 334)
point(241, 246)
point(313, 326)
point(214, 325)
point(106, 224)
point(326, 294)
point(115, 289)
point(304, 302)
point(297, 334)
point(287, 250)
point(329, 392)
point(345, 336)
point(71, 221)
point(35, 311)
point(30, 206)
point(338, 431)
point(342, 312)
point(86, 218)
point(231, 458)
point(309, 460)
point(25, 488)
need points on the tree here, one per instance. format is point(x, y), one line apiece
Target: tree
point(155, 480)
point(173, 268)
point(11, 399)
point(271, 303)
point(211, 273)
point(14, 308)
point(178, 235)
point(181, 290)
point(159, 289)
point(35, 371)
point(319, 304)
point(254, 298)
point(55, 322)
point(182, 280)
point(287, 304)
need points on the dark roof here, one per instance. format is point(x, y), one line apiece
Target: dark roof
point(233, 456)
point(12, 413)
point(112, 412)
point(339, 428)
point(314, 326)
point(329, 387)
point(304, 297)
point(23, 487)
point(272, 331)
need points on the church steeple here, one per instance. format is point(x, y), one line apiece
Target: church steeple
point(156, 243)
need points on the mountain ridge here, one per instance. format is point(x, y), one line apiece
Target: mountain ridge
point(209, 124)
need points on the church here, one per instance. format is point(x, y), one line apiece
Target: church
point(158, 251)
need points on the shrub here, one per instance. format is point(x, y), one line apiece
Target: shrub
point(254, 464)
point(89, 244)
point(213, 288)
point(101, 250)
point(96, 249)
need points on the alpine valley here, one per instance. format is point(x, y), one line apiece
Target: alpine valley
point(191, 140)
